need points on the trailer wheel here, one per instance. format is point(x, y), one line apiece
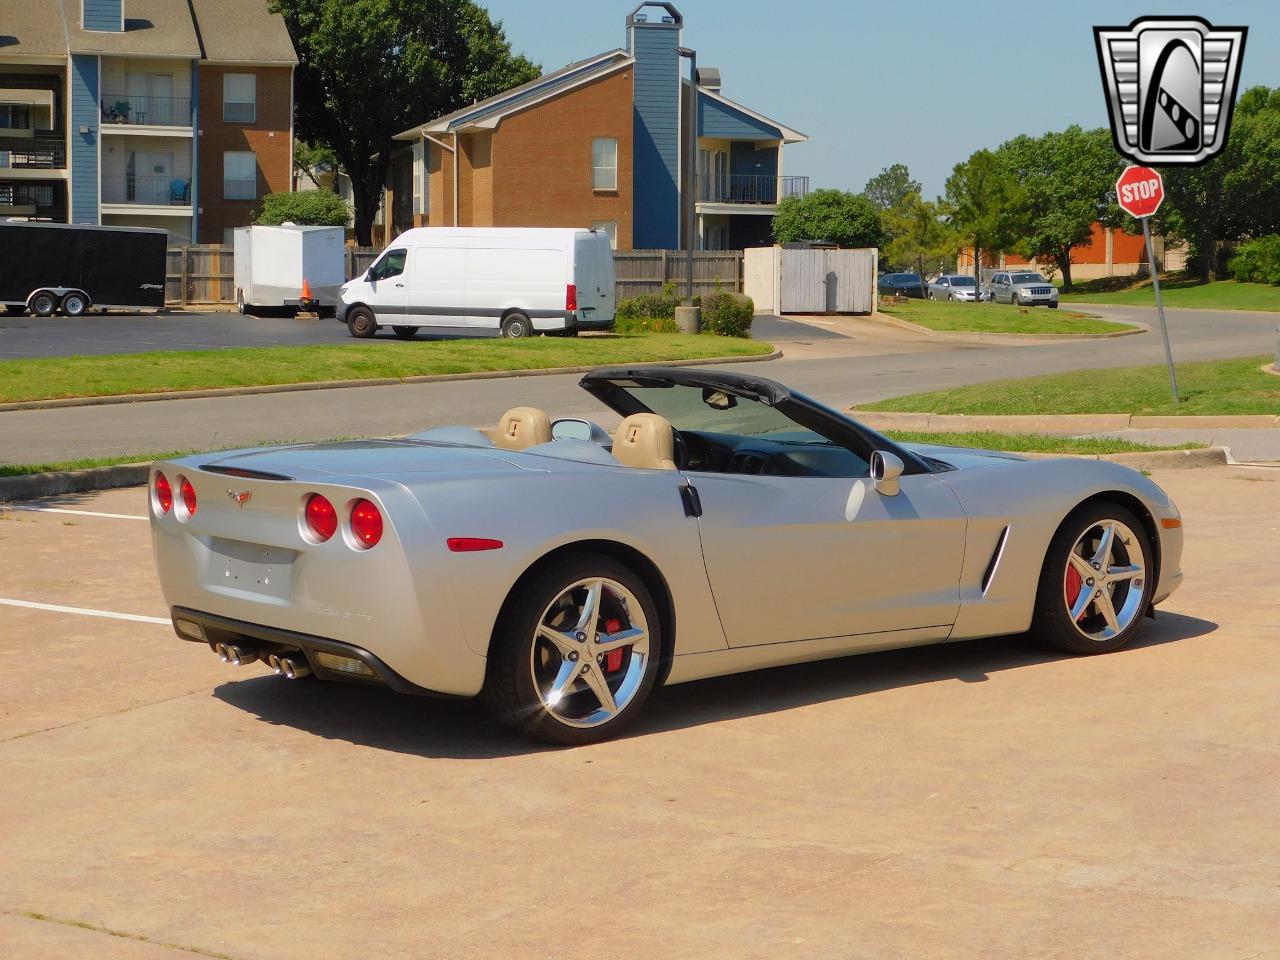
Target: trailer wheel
point(74, 304)
point(43, 304)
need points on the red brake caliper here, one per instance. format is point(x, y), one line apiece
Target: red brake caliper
point(1074, 584)
point(613, 659)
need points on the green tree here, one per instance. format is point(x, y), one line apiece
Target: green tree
point(369, 69)
point(312, 208)
point(890, 186)
point(920, 234)
point(1068, 180)
point(310, 158)
point(847, 219)
point(983, 204)
point(1234, 195)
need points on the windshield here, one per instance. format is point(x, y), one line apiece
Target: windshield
point(695, 409)
point(963, 282)
point(1028, 278)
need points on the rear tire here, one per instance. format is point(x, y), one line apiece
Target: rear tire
point(516, 326)
point(1065, 581)
point(405, 333)
point(540, 622)
point(43, 304)
point(74, 304)
point(361, 322)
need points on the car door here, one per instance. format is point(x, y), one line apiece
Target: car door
point(387, 292)
point(944, 288)
point(799, 558)
point(437, 288)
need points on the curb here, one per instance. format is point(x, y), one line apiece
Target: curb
point(1061, 423)
point(957, 336)
point(34, 485)
point(347, 384)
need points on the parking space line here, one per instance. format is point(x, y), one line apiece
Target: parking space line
point(83, 611)
point(82, 513)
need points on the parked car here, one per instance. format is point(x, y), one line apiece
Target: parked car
point(480, 281)
point(901, 285)
point(46, 268)
point(728, 524)
point(957, 286)
point(1025, 287)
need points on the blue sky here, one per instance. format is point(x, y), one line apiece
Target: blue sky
point(923, 84)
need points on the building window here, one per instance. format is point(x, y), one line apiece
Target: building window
point(610, 229)
point(239, 175)
point(419, 175)
point(604, 163)
point(15, 116)
point(239, 97)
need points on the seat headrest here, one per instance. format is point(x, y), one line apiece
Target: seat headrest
point(645, 440)
point(521, 428)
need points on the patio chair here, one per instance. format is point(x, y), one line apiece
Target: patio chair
point(121, 111)
point(179, 192)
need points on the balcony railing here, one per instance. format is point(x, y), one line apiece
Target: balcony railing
point(150, 190)
point(38, 154)
point(35, 199)
point(750, 188)
point(146, 111)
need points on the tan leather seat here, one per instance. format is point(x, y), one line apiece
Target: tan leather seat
point(521, 428)
point(645, 440)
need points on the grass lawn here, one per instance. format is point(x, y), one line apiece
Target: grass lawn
point(45, 378)
point(1214, 387)
point(22, 469)
point(998, 318)
point(1180, 291)
point(1030, 442)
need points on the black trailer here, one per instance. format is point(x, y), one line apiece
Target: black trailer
point(46, 267)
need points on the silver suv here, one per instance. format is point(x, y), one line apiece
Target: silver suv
point(1025, 287)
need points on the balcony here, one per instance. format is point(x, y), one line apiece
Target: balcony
point(149, 191)
point(32, 200)
point(749, 188)
point(123, 111)
point(47, 151)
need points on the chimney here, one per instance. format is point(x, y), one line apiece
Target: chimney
point(709, 79)
point(653, 33)
point(103, 15)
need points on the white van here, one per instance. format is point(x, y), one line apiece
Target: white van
point(482, 281)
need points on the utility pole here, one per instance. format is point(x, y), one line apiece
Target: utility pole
point(691, 139)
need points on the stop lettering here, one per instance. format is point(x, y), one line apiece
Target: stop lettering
point(1140, 191)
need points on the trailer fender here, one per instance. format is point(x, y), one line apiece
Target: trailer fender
point(44, 302)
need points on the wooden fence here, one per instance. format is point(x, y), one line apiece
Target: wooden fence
point(206, 274)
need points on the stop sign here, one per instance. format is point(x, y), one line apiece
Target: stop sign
point(1139, 191)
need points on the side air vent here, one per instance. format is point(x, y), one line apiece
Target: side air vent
point(994, 563)
point(247, 474)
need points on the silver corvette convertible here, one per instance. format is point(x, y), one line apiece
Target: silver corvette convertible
point(563, 571)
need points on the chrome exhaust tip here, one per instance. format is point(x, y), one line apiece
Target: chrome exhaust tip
point(221, 650)
point(238, 656)
point(273, 661)
point(295, 667)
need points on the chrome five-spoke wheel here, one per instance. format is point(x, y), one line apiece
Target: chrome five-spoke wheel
point(576, 650)
point(1097, 580)
point(590, 653)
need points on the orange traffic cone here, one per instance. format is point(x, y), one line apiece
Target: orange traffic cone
point(306, 291)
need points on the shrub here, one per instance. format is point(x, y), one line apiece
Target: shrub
point(649, 312)
point(847, 219)
point(1257, 261)
point(727, 314)
point(313, 208)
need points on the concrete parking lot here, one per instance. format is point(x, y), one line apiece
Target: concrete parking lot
point(981, 799)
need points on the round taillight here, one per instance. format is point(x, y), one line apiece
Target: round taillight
point(322, 519)
point(188, 496)
point(366, 523)
point(164, 493)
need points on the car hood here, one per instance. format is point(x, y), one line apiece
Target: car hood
point(962, 458)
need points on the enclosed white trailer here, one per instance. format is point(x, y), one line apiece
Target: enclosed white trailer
point(273, 263)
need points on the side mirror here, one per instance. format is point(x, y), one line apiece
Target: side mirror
point(886, 468)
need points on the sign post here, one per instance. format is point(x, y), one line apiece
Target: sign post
point(1140, 191)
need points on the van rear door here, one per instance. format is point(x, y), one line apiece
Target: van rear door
point(593, 277)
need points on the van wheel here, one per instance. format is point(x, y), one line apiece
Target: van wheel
point(405, 333)
point(44, 303)
point(516, 326)
point(362, 323)
point(75, 304)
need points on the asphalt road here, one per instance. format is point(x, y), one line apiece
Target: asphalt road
point(856, 369)
point(101, 334)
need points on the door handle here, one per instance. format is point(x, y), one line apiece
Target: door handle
point(399, 284)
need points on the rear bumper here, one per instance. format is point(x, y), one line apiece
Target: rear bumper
point(263, 640)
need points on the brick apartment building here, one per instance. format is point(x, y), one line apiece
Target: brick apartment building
point(175, 114)
point(1109, 252)
point(601, 143)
